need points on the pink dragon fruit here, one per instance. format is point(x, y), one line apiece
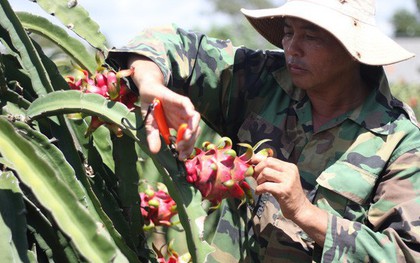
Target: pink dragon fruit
point(108, 84)
point(217, 172)
point(157, 206)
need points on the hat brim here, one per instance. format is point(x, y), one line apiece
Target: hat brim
point(364, 41)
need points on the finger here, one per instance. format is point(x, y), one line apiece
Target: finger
point(257, 158)
point(193, 126)
point(270, 175)
point(271, 162)
point(269, 187)
point(188, 114)
point(153, 139)
point(152, 133)
point(178, 110)
point(183, 150)
point(185, 147)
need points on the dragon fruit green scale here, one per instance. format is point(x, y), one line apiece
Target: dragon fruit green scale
point(218, 173)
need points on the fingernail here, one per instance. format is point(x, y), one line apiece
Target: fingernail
point(187, 134)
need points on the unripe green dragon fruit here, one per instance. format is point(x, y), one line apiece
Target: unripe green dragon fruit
point(217, 172)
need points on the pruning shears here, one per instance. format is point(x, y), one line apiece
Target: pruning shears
point(170, 140)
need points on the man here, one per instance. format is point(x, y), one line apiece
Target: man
point(344, 183)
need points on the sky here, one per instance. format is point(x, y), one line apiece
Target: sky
point(120, 20)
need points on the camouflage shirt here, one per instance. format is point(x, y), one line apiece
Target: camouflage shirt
point(362, 167)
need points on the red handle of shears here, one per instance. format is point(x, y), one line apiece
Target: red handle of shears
point(160, 119)
point(163, 127)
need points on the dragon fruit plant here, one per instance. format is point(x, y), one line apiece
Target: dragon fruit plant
point(218, 172)
point(109, 84)
point(157, 206)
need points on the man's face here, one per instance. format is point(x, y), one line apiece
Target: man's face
point(315, 59)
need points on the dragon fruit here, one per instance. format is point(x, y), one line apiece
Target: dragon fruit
point(157, 206)
point(218, 173)
point(108, 84)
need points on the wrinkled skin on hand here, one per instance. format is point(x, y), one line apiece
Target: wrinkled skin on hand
point(282, 180)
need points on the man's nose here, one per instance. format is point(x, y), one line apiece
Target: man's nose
point(292, 47)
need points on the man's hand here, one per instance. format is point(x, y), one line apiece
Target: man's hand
point(178, 109)
point(282, 180)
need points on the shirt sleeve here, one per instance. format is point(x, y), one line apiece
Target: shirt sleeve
point(192, 64)
point(221, 80)
point(392, 232)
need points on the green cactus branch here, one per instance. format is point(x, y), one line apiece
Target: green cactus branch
point(51, 240)
point(71, 46)
point(16, 77)
point(16, 99)
point(188, 199)
point(80, 193)
point(55, 157)
point(3, 85)
point(92, 241)
point(77, 19)
point(126, 171)
point(13, 242)
point(73, 101)
point(103, 144)
point(30, 60)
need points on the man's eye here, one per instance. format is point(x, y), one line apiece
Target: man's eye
point(311, 37)
point(288, 34)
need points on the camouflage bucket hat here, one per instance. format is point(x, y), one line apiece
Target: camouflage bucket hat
point(352, 22)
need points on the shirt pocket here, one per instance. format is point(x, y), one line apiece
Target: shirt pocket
point(345, 190)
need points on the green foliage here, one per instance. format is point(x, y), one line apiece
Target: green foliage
point(237, 28)
point(12, 219)
point(409, 93)
point(406, 24)
point(76, 18)
point(53, 194)
point(42, 26)
point(67, 197)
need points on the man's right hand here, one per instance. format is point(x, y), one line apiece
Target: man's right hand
point(178, 109)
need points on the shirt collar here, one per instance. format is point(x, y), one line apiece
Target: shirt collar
point(376, 114)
